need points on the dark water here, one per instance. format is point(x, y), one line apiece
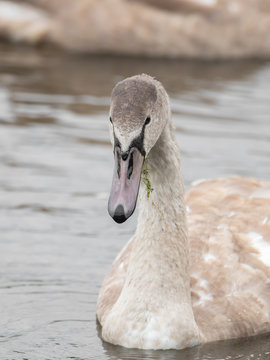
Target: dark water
point(56, 238)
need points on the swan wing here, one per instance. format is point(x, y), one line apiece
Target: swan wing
point(229, 232)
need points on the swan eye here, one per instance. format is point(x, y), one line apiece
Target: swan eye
point(110, 120)
point(147, 121)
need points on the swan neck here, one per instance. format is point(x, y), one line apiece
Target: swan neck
point(161, 235)
point(162, 206)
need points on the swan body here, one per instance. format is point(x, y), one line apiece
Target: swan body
point(172, 28)
point(198, 266)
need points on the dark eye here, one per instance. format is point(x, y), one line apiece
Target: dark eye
point(147, 121)
point(110, 119)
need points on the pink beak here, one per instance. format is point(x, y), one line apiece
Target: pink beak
point(125, 184)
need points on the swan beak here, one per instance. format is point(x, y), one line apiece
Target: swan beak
point(125, 184)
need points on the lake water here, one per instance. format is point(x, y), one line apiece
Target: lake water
point(56, 239)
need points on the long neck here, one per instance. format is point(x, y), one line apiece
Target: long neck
point(160, 247)
point(162, 207)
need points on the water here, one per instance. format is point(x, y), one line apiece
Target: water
point(56, 239)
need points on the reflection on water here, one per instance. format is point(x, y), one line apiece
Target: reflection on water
point(56, 239)
point(245, 349)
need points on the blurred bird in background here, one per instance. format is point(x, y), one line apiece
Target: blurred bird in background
point(205, 29)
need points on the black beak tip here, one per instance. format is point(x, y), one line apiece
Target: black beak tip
point(119, 215)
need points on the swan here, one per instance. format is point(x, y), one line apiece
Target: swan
point(208, 29)
point(197, 268)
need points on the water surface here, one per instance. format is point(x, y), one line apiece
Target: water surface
point(56, 239)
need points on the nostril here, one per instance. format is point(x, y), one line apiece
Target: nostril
point(119, 215)
point(118, 161)
point(130, 166)
point(125, 156)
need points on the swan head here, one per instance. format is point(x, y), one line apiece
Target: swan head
point(138, 114)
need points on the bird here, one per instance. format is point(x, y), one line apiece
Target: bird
point(153, 28)
point(197, 268)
